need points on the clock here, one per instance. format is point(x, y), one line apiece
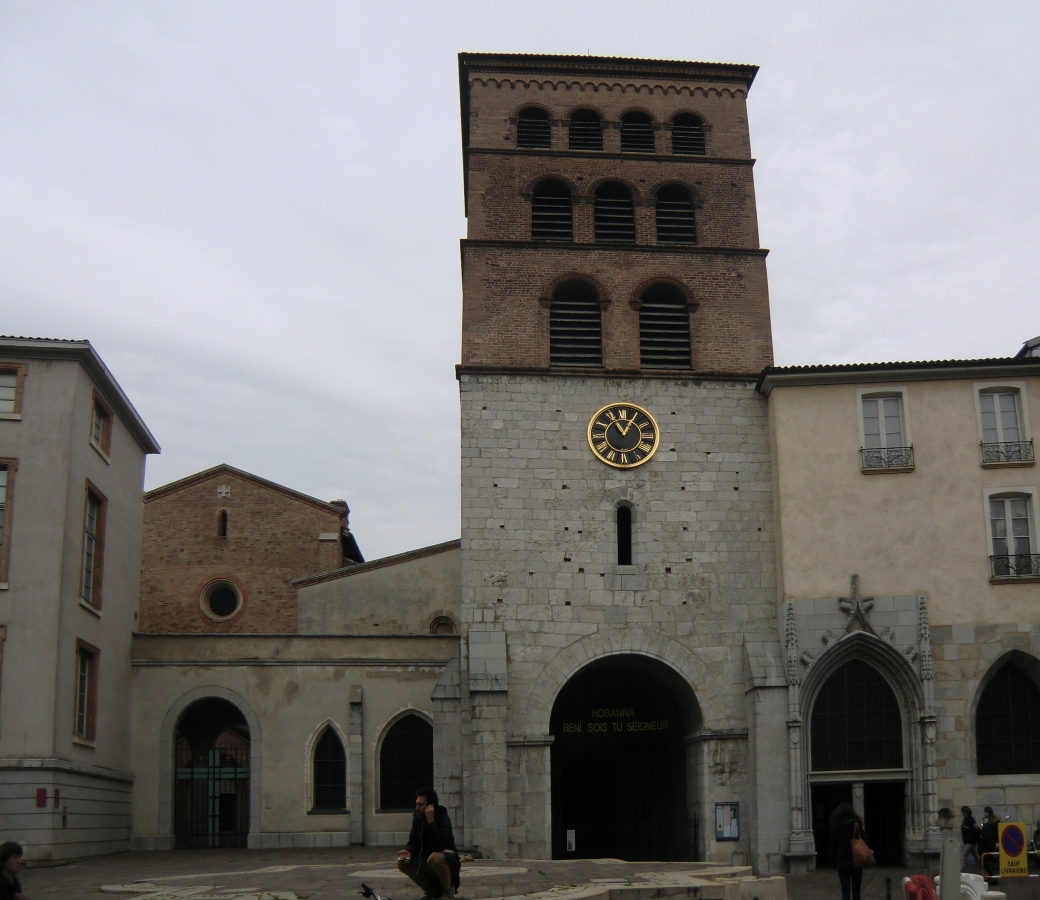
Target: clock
point(623, 435)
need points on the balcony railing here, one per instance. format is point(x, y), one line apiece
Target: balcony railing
point(887, 459)
point(1007, 453)
point(1021, 565)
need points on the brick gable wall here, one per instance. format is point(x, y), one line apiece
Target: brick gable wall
point(272, 538)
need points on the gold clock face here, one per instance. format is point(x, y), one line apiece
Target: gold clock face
point(623, 435)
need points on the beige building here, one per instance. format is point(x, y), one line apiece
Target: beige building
point(314, 735)
point(906, 501)
point(72, 455)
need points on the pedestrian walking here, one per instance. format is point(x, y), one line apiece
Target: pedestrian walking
point(969, 836)
point(846, 825)
point(988, 841)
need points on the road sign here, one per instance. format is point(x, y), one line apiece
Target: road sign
point(1014, 862)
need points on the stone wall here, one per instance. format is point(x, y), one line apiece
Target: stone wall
point(541, 581)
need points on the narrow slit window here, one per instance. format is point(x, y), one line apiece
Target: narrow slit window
point(575, 326)
point(688, 135)
point(84, 725)
point(614, 213)
point(222, 524)
point(532, 128)
point(675, 224)
point(93, 547)
point(551, 216)
point(586, 130)
point(624, 536)
point(637, 133)
point(664, 328)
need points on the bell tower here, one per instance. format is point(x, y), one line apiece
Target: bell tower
point(611, 268)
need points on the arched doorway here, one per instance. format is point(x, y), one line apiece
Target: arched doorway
point(211, 786)
point(619, 763)
point(857, 757)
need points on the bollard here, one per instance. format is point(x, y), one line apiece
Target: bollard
point(888, 889)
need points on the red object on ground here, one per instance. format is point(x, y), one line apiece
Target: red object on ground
point(919, 887)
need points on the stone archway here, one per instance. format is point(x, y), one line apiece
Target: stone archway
point(620, 761)
point(167, 760)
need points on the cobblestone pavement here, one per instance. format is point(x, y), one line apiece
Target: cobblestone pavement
point(337, 875)
point(334, 874)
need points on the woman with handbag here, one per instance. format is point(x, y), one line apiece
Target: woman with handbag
point(849, 850)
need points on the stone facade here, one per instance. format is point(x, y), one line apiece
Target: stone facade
point(271, 535)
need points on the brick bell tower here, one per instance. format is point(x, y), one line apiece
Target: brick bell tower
point(612, 257)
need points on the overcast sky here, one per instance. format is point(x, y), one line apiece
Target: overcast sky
point(253, 209)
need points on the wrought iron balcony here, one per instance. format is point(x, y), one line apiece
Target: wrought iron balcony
point(1008, 453)
point(887, 459)
point(1021, 565)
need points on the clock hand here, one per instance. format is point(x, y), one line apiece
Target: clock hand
point(625, 432)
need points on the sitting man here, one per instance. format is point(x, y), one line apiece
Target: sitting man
point(430, 858)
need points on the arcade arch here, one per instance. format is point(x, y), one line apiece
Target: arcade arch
point(622, 746)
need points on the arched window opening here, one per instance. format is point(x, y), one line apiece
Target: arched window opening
point(405, 763)
point(675, 223)
point(532, 128)
point(586, 130)
point(211, 787)
point(222, 524)
point(637, 133)
point(664, 328)
point(624, 535)
point(688, 135)
point(1007, 725)
point(443, 625)
point(575, 329)
point(330, 771)
point(551, 218)
point(614, 213)
point(856, 723)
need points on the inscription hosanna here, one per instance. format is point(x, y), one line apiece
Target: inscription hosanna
point(614, 720)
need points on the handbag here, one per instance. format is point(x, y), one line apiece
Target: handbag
point(862, 855)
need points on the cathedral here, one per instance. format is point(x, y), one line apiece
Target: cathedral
point(698, 600)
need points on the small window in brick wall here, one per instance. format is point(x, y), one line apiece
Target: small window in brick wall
point(532, 128)
point(222, 523)
point(614, 213)
point(664, 328)
point(551, 218)
point(586, 130)
point(637, 133)
point(575, 328)
point(688, 135)
point(675, 224)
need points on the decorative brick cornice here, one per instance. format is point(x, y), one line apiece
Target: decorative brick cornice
point(577, 371)
point(600, 154)
point(571, 246)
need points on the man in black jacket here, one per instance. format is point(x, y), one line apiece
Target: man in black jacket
point(430, 857)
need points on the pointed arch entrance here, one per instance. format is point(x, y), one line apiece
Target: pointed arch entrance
point(620, 758)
